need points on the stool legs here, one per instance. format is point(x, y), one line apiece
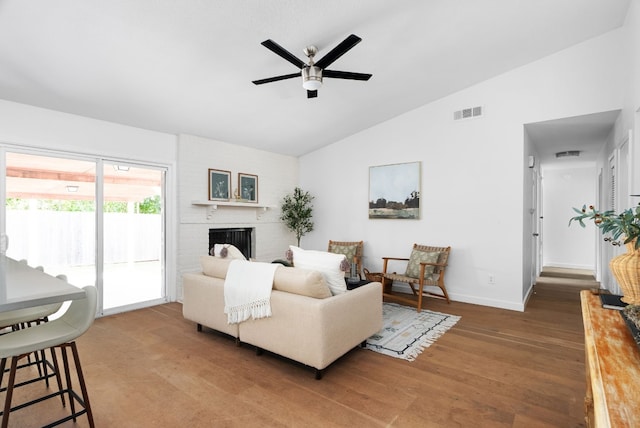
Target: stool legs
point(73, 396)
point(67, 375)
point(56, 368)
point(83, 386)
point(41, 360)
point(84, 400)
point(7, 400)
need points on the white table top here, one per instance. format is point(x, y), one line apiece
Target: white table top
point(22, 286)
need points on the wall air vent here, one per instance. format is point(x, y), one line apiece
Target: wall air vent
point(467, 113)
point(568, 154)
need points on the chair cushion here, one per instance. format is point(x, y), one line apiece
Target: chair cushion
point(428, 279)
point(348, 250)
point(328, 264)
point(417, 257)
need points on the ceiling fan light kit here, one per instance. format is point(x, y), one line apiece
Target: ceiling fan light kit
point(312, 73)
point(311, 78)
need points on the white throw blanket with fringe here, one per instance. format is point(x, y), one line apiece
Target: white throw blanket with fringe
point(247, 290)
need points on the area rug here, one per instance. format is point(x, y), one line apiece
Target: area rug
point(406, 333)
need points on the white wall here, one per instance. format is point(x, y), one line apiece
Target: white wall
point(277, 176)
point(37, 127)
point(564, 189)
point(472, 171)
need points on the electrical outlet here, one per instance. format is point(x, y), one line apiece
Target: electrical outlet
point(491, 279)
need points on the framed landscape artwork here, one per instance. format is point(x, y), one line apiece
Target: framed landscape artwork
point(219, 185)
point(248, 187)
point(394, 191)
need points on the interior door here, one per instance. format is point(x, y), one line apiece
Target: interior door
point(536, 241)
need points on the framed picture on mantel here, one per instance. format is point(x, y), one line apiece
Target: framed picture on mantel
point(248, 187)
point(219, 185)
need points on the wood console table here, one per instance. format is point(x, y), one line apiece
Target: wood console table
point(612, 362)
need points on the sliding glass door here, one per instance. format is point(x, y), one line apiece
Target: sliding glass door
point(92, 220)
point(133, 235)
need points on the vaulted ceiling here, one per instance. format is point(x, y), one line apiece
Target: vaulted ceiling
point(186, 66)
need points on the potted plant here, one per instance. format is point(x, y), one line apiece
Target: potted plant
point(297, 212)
point(626, 225)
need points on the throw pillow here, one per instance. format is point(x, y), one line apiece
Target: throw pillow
point(232, 252)
point(417, 257)
point(328, 264)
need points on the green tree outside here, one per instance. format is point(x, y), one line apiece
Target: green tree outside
point(151, 205)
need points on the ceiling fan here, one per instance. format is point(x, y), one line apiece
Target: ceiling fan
point(313, 72)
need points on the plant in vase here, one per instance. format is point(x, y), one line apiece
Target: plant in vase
point(626, 225)
point(297, 212)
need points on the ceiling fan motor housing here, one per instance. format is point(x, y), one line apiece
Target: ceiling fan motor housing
point(311, 77)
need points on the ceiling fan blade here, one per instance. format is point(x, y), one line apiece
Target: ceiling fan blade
point(279, 50)
point(276, 78)
point(312, 94)
point(346, 75)
point(338, 51)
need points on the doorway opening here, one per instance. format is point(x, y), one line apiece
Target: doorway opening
point(568, 183)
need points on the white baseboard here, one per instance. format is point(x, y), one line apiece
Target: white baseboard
point(475, 300)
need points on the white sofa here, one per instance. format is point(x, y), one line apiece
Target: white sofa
point(308, 324)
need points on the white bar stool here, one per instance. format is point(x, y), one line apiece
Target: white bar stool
point(60, 333)
point(36, 315)
point(22, 318)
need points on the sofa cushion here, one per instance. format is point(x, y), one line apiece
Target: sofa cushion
point(328, 264)
point(292, 280)
point(305, 282)
point(215, 266)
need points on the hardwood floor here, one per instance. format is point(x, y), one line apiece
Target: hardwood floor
point(495, 368)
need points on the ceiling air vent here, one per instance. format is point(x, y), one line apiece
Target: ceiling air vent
point(568, 154)
point(467, 113)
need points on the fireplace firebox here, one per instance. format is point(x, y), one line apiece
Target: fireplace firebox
point(240, 237)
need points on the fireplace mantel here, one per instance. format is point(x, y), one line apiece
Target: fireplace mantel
point(213, 206)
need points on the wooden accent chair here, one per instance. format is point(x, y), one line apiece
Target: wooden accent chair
point(353, 251)
point(425, 267)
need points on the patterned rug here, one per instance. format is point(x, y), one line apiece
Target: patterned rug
point(406, 333)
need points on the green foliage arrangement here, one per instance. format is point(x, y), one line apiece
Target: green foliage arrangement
point(297, 212)
point(150, 205)
point(625, 224)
